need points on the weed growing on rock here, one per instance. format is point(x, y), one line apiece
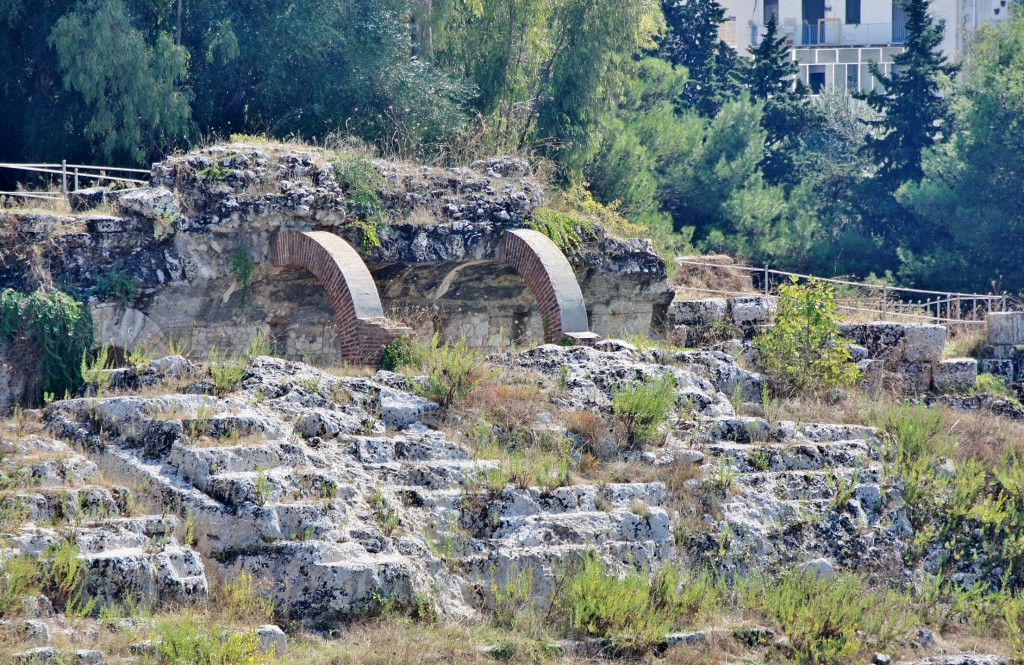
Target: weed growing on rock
point(642, 408)
point(633, 610)
point(828, 620)
point(19, 577)
point(453, 370)
point(241, 266)
point(225, 371)
point(94, 369)
point(262, 488)
point(186, 641)
point(242, 601)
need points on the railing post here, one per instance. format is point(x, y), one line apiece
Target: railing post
point(64, 180)
point(885, 302)
point(76, 179)
point(766, 281)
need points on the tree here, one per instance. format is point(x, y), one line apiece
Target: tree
point(804, 348)
point(691, 41)
point(136, 107)
point(915, 114)
point(972, 192)
point(772, 78)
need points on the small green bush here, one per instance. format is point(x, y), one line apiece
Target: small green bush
point(117, 285)
point(362, 183)
point(642, 408)
point(632, 610)
point(400, 352)
point(19, 577)
point(225, 371)
point(804, 349)
point(186, 641)
point(566, 231)
point(828, 619)
point(453, 370)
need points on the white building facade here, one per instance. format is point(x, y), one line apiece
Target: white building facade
point(834, 40)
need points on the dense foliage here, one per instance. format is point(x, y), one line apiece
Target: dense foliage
point(49, 332)
point(642, 102)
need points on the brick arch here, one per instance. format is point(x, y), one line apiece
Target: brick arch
point(363, 330)
point(551, 280)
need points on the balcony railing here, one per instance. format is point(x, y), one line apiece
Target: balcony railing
point(863, 34)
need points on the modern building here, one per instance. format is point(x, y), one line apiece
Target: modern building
point(835, 40)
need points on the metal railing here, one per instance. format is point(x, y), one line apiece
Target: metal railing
point(852, 34)
point(891, 302)
point(73, 173)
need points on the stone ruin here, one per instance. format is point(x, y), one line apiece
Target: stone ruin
point(232, 239)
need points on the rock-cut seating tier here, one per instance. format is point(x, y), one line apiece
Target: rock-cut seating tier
point(551, 280)
point(363, 329)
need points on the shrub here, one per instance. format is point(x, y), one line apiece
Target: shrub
point(49, 332)
point(453, 370)
point(804, 348)
point(117, 285)
point(362, 184)
point(186, 641)
point(634, 611)
point(642, 408)
point(225, 371)
point(400, 352)
point(567, 232)
point(19, 577)
point(242, 601)
point(828, 619)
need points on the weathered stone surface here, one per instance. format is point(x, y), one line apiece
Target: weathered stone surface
point(697, 312)
point(997, 367)
point(749, 311)
point(271, 639)
point(955, 374)
point(923, 343)
point(436, 265)
point(88, 199)
point(1005, 328)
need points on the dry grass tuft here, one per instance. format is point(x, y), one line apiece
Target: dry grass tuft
point(698, 282)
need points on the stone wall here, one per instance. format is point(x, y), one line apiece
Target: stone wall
point(437, 261)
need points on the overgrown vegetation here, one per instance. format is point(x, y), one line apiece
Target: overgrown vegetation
point(804, 349)
point(452, 370)
point(48, 332)
point(641, 408)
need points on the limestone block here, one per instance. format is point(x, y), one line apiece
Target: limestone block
point(1005, 328)
point(752, 310)
point(87, 199)
point(882, 339)
point(857, 352)
point(923, 343)
point(912, 377)
point(154, 203)
point(998, 367)
point(699, 312)
point(271, 639)
point(955, 373)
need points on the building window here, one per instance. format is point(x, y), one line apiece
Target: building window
point(852, 12)
point(816, 78)
point(727, 31)
point(771, 7)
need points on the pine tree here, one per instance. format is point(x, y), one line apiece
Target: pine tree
point(772, 78)
point(915, 115)
point(692, 42)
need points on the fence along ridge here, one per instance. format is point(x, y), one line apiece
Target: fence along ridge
point(952, 301)
point(76, 171)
